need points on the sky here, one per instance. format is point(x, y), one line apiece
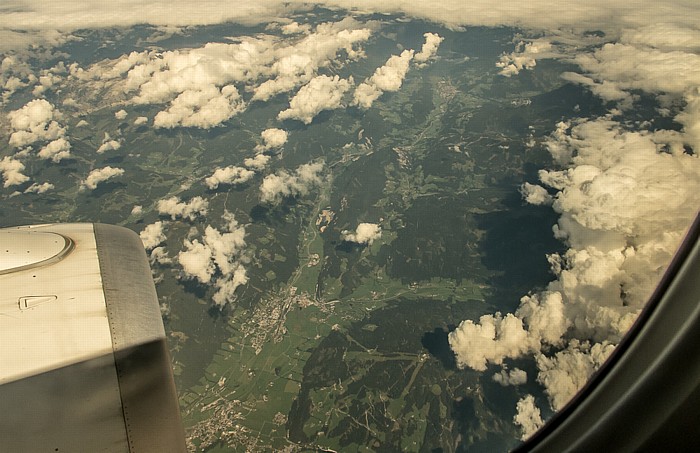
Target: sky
point(624, 193)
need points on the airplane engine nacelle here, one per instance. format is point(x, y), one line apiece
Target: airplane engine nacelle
point(84, 364)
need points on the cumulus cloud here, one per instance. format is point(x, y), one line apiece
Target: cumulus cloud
point(228, 175)
point(321, 93)
point(218, 259)
point(623, 199)
point(140, 120)
point(567, 371)
point(203, 108)
point(159, 255)
point(56, 150)
point(175, 208)
point(153, 235)
point(505, 377)
point(34, 122)
point(429, 49)
point(534, 194)
point(108, 144)
point(258, 162)
point(272, 138)
point(12, 171)
point(528, 416)
point(365, 233)
point(137, 210)
point(39, 188)
point(281, 185)
point(525, 56)
point(293, 28)
point(386, 78)
point(121, 114)
point(492, 339)
point(100, 175)
point(199, 85)
point(299, 63)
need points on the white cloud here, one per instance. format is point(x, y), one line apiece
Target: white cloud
point(492, 339)
point(623, 199)
point(298, 64)
point(140, 120)
point(534, 194)
point(217, 259)
point(259, 162)
point(160, 256)
point(525, 56)
point(12, 171)
point(664, 36)
point(321, 93)
point(34, 23)
point(277, 187)
point(272, 138)
point(56, 150)
point(35, 122)
point(567, 371)
point(528, 416)
point(175, 208)
point(196, 261)
point(153, 235)
point(605, 90)
point(109, 145)
point(505, 377)
point(293, 28)
point(386, 78)
point(137, 210)
point(204, 108)
point(121, 114)
point(228, 175)
point(187, 79)
point(82, 123)
point(365, 233)
point(429, 49)
point(160, 77)
point(647, 69)
point(100, 175)
point(39, 188)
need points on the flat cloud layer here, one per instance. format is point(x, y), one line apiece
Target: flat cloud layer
point(41, 23)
